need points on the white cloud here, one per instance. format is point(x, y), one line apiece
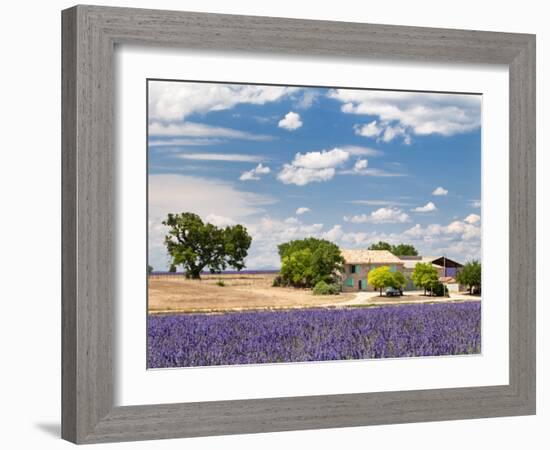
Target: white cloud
point(371, 129)
point(313, 167)
point(321, 160)
point(381, 215)
point(359, 168)
point(182, 142)
point(267, 233)
point(312, 229)
point(457, 240)
point(357, 150)
point(378, 202)
point(254, 174)
point(440, 191)
point(219, 221)
point(373, 172)
point(213, 200)
point(306, 99)
point(175, 101)
point(400, 113)
point(360, 165)
point(472, 219)
point(382, 131)
point(302, 210)
point(291, 121)
point(301, 176)
point(475, 203)
point(172, 103)
point(428, 207)
point(228, 157)
point(334, 234)
point(466, 230)
point(203, 196)
point(193, 129)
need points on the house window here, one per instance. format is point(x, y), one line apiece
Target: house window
point(393, 268)
point(353, 268)
point(349, 282)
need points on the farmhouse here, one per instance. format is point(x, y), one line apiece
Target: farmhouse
point(359, 262)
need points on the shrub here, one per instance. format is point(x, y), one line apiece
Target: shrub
point(220, 283)
point(439, 290)
point(277, 281)
point(323, 288)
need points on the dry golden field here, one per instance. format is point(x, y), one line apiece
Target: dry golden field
point(171, 294)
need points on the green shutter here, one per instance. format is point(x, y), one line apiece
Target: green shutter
point(357, 268)
point(349, 282)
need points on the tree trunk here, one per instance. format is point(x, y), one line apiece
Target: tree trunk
point(193, 274)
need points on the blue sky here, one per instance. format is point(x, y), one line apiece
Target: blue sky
point(352, 166)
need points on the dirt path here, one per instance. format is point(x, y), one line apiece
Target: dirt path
point(373, 298)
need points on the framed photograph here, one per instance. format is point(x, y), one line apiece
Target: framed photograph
point(278, 224)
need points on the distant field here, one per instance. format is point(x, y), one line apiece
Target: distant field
point(183, 340)
point(173, 293)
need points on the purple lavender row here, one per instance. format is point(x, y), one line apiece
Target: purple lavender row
point(314, 335)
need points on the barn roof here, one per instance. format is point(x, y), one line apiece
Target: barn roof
point(360, 256)
point(440, 261)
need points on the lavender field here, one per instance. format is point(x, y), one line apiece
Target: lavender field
point(314, 335)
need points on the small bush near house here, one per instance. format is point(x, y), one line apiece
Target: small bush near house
point(439, 290)
point(323, 288)
point(277, 281)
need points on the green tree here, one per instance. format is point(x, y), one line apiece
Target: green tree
point(297, 268)
point(404, 250)
point(470, 275)
point(172, 268)
point(398, 250)
point(424, 275)
point(149, 269)
point(196, 245)
point(399, 280)
point(381, 278)
point(305, 262)
point(381, 245)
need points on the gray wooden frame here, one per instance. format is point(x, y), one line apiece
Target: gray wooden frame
point(89, 36)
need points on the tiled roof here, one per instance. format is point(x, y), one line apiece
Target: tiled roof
point(360, 256)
